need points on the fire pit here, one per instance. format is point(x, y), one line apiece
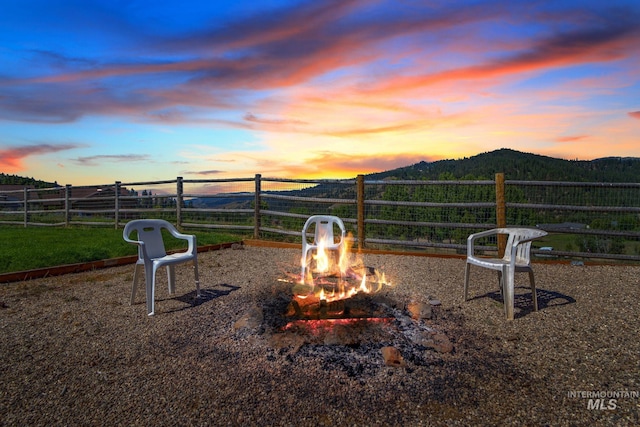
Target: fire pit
point(346, 310)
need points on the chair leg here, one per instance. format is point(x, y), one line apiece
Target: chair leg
point(304, 262)
point(508, 278)
point(134, 287)
point(150, 281)
point(171, 277)
point(197, 276)
point(534, 294)
point(466, 281)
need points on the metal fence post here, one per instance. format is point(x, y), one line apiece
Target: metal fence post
point(256, 212)
point(360, 214)
point(67, 205)
point(116, 215)
point(501, 212)
point(179, 198)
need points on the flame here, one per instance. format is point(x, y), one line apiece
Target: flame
point(353, 277)
point(308, 274)
point(321, 257)
point(363, 284)
point(344, 260)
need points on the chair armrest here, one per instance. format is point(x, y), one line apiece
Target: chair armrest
point(142, 249)
point(485, 233)
point(190, 238)
point(473, 237)
point(135, 242)
point(530, 239)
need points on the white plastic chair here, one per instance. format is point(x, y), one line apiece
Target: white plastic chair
point(152, 254)
point(516, 259)
point(323, 226)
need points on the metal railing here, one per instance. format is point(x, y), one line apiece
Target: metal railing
point(585, 220)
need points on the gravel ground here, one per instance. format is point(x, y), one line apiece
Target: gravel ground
point(74, 352)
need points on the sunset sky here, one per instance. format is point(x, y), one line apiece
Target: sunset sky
point(97, 91)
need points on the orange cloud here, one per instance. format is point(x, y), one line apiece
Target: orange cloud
point(12, 157)
point(634, 114)
point(327, 164)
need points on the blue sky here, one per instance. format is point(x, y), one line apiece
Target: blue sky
point(97, 91)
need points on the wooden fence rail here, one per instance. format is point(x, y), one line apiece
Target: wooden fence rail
point(592, 220)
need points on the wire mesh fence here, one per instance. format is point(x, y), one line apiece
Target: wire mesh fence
point(586, 220)
point(286, 204)
point(218, 204)
point(427, 214)
point(583, 219)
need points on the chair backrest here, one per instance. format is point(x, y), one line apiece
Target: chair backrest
point(324, 230)
point(149, 231)
point(523, 251)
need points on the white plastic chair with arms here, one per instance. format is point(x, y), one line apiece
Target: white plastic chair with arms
point(152, 254)
point(323, 225)
point(516, 259)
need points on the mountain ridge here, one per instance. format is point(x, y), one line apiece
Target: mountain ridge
point(516, 165)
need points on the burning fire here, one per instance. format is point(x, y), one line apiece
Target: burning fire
point(328, 279)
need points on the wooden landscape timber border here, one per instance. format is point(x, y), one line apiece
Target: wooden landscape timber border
point(38, 273)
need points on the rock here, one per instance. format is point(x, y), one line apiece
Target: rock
point(287, 340)
point(422, 338)
point(250, 320)
point(392, 357)
point(341, 335)
point(440, 343)
point(419, 310)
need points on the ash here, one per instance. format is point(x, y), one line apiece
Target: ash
point(355, 345)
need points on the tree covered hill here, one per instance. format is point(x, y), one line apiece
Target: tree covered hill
point(19, 180)
point(517, 165)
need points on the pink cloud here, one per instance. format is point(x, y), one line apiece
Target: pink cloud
point(103, 158)
point(206, 173)
point(253, 118)
point(634, 114)
point(220, 68)
point(572, 48)
point(570, 138)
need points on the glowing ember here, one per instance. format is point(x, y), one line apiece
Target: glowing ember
point(317, 327)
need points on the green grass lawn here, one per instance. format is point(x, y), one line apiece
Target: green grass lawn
point(38, 247)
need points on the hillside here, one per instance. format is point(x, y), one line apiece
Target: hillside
point(521, 166)
point(19, 180)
